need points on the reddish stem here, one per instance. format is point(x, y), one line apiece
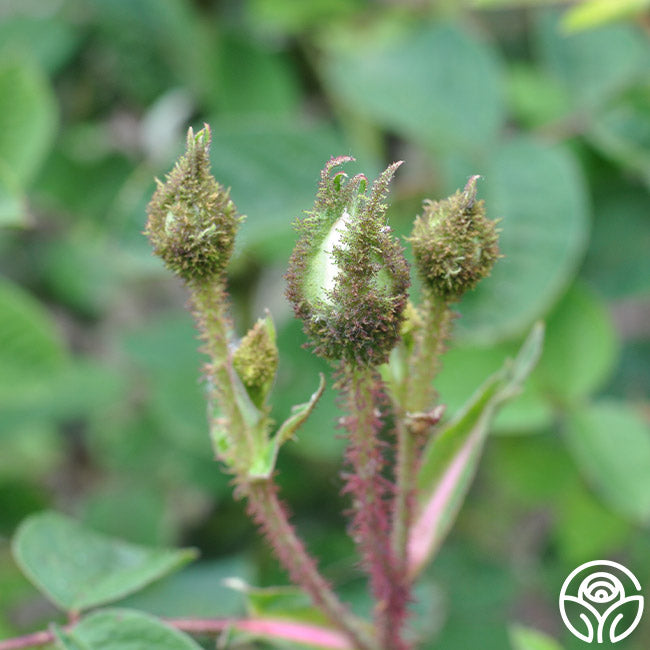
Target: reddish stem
point(371, 504)
point(271, 515)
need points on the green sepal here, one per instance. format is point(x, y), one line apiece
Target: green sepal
point(264, 464)
point(238, 442)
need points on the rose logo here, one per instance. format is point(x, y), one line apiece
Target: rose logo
point(594, 603)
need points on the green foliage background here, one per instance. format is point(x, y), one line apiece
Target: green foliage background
point(101, 411)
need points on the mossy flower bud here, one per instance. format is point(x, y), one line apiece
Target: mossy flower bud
point(191, 219)
point(256, 360)
point(454, 244)
point(348, 278)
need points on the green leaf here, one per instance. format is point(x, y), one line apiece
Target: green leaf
point(27, 118)
point(580, 349)
point(123, 629)
point(593, 66)
point(538, 192)
point(594, 13)
point(445, 84)
point(525, 638)
point(77, 568)
point(450, 460)
point(611, 445)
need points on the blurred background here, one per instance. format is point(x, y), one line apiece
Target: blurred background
point(101, 409)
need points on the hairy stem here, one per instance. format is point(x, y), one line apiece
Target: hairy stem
point(209, 305)
point(371, 494)
point(417, 416)
point(271, 515)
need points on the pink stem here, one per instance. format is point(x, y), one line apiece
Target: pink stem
point(314, 635)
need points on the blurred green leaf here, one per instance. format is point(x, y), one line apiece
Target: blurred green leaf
point(134, 511)
point(585, 528)
point(593, 66)
point(167, 351)
point(99, 631)
point(253, 79)
point(273, 172)
point(478, 592)
point(198, 590)
point(535, 97)
point(450, 459)
point(82, 271)
point(530, 471)
point(66, 171)
point(31, 449)
point(500, 4)
point(288, 16)
point(539, 194)
point(617, 261)
point(525, 638)
point(144, 46)
point(30, 346)
point(593, 13)
point(580, 349)
point(75, 389)
point(78, 568)
point(27, 118)
point(611, 445)
point(445, 84)
point(622, 131)
point(467, 366)
point(48, 37)
point(12, 202)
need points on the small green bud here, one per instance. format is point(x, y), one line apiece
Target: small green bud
point(348, 278)
point(454, 244)
point(191, 219)
point(256, 360)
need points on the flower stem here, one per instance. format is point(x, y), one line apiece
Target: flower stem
point(371, 493)
point(209, 305)
point(416, 416)
point(271, 515)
